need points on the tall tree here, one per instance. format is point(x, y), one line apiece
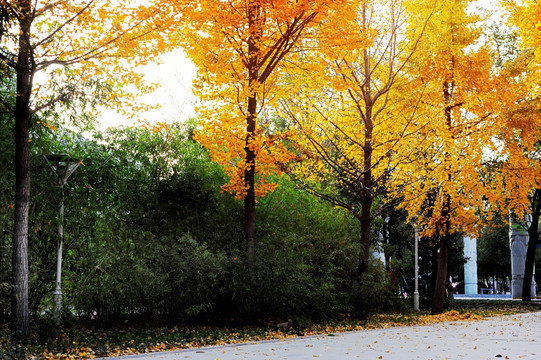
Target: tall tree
point(515, 179)
point(357, 111)
point(522, 136)
point(240, 49)
point(461, 99)
point(81, 46)
point(493, 252)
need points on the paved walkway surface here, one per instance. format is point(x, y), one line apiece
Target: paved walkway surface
point(485, 297)
point(505, 337)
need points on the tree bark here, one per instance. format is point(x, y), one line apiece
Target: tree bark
point(20, 322)
point(366, 222)
point(533, 234)
point(366, 206)
point(366, 180)
point(251, 117)
point(249, 181)
point(441, 277)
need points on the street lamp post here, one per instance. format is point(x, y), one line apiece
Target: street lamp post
point(416, 292)
point(63, 166)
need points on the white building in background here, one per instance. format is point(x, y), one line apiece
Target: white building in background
point(470, 267)
point(518, 241)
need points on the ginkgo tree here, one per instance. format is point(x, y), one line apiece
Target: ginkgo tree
point(461, 99)
point(517, 164)
point(357, 113)
point(241, 47)
point(85, 49)
point(526, 16)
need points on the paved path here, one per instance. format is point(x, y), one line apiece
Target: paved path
point(506, 337)
point(485, 297)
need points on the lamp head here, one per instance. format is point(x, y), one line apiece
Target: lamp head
point(63, 166)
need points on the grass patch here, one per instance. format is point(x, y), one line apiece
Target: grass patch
point(83, 340)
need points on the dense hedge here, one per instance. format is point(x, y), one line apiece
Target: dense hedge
point(148, 232)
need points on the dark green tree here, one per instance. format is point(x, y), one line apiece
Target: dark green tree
point(493, 253)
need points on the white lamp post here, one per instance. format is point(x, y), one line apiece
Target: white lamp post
point(416, 291)
point(63, 166)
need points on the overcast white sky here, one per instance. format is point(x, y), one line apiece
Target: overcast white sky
point(175, 97)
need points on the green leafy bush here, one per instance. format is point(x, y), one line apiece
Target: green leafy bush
point(149, 233)
point(375, 293)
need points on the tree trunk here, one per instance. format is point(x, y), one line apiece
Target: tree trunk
point(249, 172)
point(528, 271)
point(366, 222)
point(441, 276)
point(249, 181)
point(366, 181)
point(533, 234)
point(366, 195)
point(20, 322)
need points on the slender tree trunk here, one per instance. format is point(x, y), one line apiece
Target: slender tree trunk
point(533, 234)
point(366, 191)
point(528, 270)
point(367, 198)
point(249, 180)
point(441, 276)
point(251, 118)
point(443, 257)
point(366, 222)
point(20, 322)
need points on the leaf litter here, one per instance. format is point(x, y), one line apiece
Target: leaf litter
point(89, 343)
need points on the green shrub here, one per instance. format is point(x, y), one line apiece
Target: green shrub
point(375, 293)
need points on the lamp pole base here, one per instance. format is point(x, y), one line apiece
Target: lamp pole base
point(57, 305)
